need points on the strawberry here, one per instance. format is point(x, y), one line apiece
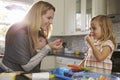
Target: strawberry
point(91, 34)
point(60, 40)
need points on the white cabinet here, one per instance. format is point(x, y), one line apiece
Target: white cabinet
point(65, 17)
point(49, 62)
point(58, 21)
point(77, 16)
point(72, 17)
point(105, 7)
point(99, 7)
point(113, 7)
point(63, 61)
point(70, 9)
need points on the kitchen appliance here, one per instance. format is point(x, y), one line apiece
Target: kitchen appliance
point(116, 60)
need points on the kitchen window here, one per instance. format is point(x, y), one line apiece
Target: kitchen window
point(10, 12)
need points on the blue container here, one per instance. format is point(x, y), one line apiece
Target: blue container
point(60, 73)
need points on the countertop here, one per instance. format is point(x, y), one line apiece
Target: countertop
point(73, 55)
point(68, 55)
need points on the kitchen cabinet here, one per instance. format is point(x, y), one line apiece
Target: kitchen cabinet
point(63, 61)
point(64, 23)
point(51, 62)
point(105, 7)
point(113, 7)
point(99, 7)
point(58, 21)
point(48, 63)
point(72, 17)
point(77, 16)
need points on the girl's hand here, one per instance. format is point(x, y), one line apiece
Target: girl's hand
point(89, 39)
point(57, 44)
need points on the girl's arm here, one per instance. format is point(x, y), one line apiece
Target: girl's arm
point(100, 56)
point(82, 63)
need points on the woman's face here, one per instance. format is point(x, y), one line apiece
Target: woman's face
point(47, 19)
point(96, 30)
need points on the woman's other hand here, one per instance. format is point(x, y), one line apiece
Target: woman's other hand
point(57, 44)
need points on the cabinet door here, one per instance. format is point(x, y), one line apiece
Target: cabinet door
point(62, 61)
point(69, 17)
point(77, 16)
point(58, 21)
point(99, 7)
point(48, 63)
point(113, 7)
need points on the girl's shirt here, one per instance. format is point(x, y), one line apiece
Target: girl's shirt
point(104, 66)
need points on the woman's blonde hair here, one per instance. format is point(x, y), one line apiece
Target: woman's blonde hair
point(106, 27)
point(33, 21)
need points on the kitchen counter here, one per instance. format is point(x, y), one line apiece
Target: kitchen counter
point(68, 55)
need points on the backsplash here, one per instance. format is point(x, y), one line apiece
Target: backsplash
point(116, 29)
point(78, 42)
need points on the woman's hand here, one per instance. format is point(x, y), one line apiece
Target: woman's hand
point(57, 44)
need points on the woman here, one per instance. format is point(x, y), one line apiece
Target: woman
point(22, 39)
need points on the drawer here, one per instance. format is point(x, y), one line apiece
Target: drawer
point(62, 60)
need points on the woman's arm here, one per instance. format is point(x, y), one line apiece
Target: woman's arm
point(37, 58)
point(34, 61)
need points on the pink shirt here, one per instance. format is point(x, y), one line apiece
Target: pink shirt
point(104, 66)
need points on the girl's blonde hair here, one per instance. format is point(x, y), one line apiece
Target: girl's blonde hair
point(106, 27)
point(33, 21)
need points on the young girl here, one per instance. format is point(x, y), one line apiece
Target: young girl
point(101, 44)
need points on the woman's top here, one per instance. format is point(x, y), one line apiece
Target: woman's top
point(17, 50)
point(104, 66)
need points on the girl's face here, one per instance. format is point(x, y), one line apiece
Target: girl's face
point(96, 30)
point(47, 19)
